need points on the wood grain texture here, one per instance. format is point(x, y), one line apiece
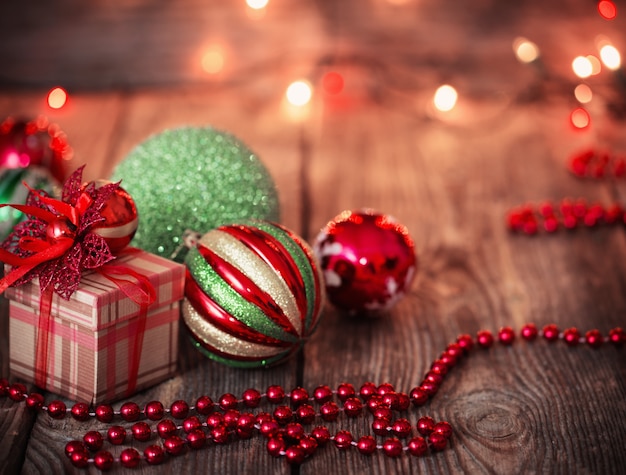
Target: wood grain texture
point(452, 190)
point(534, 407)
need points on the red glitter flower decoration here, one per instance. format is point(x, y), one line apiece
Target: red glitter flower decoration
point(56, 243)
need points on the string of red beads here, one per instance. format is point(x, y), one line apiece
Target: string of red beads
point(183, 427)
point(592, 163)
point(572, 213)
point(568, 214)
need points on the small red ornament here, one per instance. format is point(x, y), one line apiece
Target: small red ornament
point(60, 228)
point(191, 423)
point(154, 454)
point(120, 218)
point(80, 459)
point(251, 397)
point(80, 411)
point(276, 446)
point(392, 447)
point(345, 391)
point(57, 409)
point(154, 410)
point(529, 332)
point(352, 407)
point(37, 142)
point(196, 439)
point(444, 428)
point(321, 435)
point(34, 401)
point(116, 435)
point(309, 445)
point(103, 460)
point(204, 405)
point(275, 394)
point(305, 413)
point(130, 458)
point(295, 455)
point(104, 413)
point(93, 440)
point(366, 445)
point(418, 446)
point(228, 401)
point(130, 411)
point(368, 260)
point(425, 425)
point(166, 428)
point(174, 445)
point(17, 392)
point(179, 409)
point(74, 446)
point(437, 441)
point(343, 439)
point(141, 431)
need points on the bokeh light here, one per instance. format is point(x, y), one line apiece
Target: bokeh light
point(607, 9)
point(580, 118)
point(332, 82)
point(596, 65)
point(257, 4)
point(213, 59)
point(610, 57)
point(582, 67)
point(299, 93)
point(57, 98)
point(583, 93)
point(525, 50)
point(445, 98)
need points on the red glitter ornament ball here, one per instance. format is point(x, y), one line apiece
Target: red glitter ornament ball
point(120, 219)
point(368, 260)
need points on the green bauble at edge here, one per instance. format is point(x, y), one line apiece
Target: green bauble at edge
point(194, 179)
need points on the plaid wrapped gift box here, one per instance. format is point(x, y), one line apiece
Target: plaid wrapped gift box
point(94, 337)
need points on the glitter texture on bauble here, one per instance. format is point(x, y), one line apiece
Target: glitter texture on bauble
point(253, 295)
point(194, 178)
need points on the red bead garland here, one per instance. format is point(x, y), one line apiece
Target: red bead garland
point(592, 163)
point(569, 214)
point(285, 428)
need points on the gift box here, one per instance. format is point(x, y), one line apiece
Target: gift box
point(101, 345)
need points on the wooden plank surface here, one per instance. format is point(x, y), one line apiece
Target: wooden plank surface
point(533, 407)
point(474, 275)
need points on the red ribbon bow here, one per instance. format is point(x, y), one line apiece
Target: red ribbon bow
point(43, 250)
point(56, 244)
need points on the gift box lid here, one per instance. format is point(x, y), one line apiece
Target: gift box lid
point(99, 303)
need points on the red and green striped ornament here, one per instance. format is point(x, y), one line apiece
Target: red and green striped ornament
point(253, 294)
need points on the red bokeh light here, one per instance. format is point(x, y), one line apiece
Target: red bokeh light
point(57, 98)
point(332, 82)
point(580, 118)
point(607, 9)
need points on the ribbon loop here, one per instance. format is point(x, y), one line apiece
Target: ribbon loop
point(142, 292)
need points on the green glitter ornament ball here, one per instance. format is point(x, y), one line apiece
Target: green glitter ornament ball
point(195, 179)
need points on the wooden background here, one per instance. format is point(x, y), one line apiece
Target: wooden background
point(132, 70)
